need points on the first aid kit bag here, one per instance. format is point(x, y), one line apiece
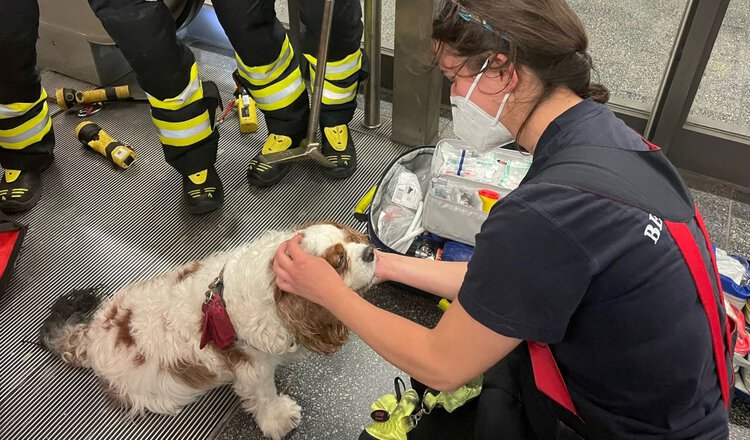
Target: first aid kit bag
point(446, 190)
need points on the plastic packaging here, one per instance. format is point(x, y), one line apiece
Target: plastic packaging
point(456, 194)
point(403, 198)
point(471, 165)
point(393, 223)
point(732, 268)
point(735, 278)
point(514, 171)
point(494, 167)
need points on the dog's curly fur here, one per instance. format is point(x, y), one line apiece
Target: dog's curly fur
point(143, 343)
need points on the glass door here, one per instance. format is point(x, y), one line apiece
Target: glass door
point(630, 41)
point(679, 73)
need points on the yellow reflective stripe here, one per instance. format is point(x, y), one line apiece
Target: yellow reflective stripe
point(262, 75)
point(34, 137)
point(333, 95)
point(192, 92)
point(26, 126)
point(338, 70)
point(180, 134)
point(280, 94)
point(8, 111)
point(28, 133)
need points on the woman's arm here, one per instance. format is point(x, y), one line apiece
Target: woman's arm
point(458, 349)
point(444, 358)
point(441, 278)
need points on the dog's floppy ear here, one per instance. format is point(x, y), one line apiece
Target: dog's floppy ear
point(313, 326)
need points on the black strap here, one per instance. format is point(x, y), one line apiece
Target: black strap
point(643, 179)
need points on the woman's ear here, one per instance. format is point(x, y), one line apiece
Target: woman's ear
point(507, 76)
point(499, 61)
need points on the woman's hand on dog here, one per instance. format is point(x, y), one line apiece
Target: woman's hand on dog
point(305, 275)
point(383, 264)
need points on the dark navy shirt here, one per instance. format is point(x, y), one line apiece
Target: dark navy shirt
point(612, 297)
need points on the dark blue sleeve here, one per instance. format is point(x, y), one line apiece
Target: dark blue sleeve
point(527, 275)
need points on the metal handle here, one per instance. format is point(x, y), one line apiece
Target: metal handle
point(320, 72)
point(310, 148)
point(372, 49)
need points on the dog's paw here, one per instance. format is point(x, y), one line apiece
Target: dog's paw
point(278, 417)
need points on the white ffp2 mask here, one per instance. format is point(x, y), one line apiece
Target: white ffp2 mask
point(473, 125)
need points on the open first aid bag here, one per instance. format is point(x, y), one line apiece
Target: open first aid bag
point(445, 190)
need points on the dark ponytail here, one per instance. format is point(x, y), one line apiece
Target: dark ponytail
point(574, 72)
point(544, 36)
point(597, 92)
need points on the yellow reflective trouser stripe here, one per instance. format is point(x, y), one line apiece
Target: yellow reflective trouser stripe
point(342, 69)
point(180, 134)
point(192, 92)
point(20, 108)
point(333, 95)
point(30, 132)
point(280, 94)
point(262, 75)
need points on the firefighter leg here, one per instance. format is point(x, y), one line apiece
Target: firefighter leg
point(345, 68)
point(182, 106)
point(270, 71)
point(26, 136)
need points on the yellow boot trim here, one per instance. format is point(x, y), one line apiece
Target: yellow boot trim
point(185, 133)
point(208, 191)
point(276, 143)
point(337, 136)
point(192, 92)
point(281, 93)
point(333, 94)
point(262, 75)
point(342, 69)
point(20, 108)
point(199, 178)
point(12, 175)
point(28, 133)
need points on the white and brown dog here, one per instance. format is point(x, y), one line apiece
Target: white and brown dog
point(143, 343)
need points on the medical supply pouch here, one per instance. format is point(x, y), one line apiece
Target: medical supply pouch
point(406, 175)
point(452, 207)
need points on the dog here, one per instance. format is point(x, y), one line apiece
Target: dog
point(143, 342)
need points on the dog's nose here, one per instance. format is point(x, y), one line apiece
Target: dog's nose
point(368, 255)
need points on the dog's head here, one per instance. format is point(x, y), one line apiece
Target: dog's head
point(350, 254)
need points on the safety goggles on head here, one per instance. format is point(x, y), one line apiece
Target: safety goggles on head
point(460, 11)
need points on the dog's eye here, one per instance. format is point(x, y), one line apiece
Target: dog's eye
point(340, 261)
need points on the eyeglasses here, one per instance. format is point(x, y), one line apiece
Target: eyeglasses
point(469, 17)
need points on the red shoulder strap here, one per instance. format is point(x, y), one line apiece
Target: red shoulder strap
point(698, 270)
point(702, 225)
point(547, 376)
point(651, 146)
